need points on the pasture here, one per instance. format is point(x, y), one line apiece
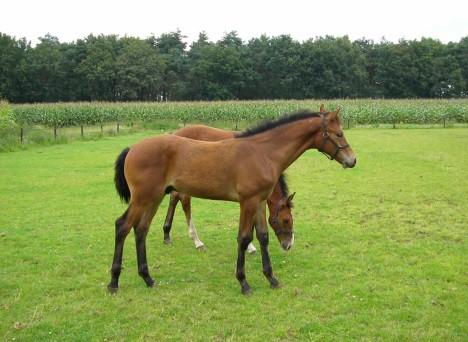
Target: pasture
point(380, 251)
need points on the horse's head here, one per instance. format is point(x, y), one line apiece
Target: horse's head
point(281, 221)
point(331, 140)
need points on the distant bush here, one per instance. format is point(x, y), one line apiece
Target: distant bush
point(6, 115)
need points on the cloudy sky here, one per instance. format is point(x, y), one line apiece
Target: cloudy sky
point(69, 20)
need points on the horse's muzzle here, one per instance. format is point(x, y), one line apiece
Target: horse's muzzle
point(349, 163)
point(287, 244)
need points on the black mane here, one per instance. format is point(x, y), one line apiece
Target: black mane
point(270, 124)
point(283, 185)
point(284, 189)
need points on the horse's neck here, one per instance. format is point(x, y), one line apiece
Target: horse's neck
point(275, 196)
point(284, 144)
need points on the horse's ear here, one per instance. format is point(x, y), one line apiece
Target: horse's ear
point(289, 202)
point(334, 114)
point(322, 108)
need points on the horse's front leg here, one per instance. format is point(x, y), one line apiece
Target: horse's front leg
point(245, 236)
point(261, 229)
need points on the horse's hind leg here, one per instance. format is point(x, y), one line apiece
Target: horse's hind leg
point(186, 205)
point(141, 231)
point(170, 216)
point(122, 227)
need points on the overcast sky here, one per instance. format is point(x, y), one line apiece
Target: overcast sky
point(69, 20)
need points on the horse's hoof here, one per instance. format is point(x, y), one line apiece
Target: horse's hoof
point(201, 247)
point(167, 241)
point(150, 283)
point(246, 290)
point(112, 289)
point(275, 284)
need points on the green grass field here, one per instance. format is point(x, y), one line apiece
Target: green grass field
point(380, 252)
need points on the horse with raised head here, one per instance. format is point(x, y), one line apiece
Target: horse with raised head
point(279, 202)
point(244, 169)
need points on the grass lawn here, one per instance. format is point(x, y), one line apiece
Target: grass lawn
point(380, 252)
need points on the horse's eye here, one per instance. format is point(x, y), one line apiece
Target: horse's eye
point(339, 135)
point(285, 221)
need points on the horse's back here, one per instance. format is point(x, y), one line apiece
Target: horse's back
point(204, 133)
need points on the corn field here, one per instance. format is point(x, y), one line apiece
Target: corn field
point(359, 112)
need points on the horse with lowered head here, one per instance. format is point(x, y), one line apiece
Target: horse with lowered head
point(279, 203)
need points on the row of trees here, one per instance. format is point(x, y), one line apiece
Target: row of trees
point(165, 68)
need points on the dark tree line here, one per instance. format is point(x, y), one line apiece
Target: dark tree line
point(165, 68)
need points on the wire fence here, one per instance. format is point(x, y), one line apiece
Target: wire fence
point(39, 134)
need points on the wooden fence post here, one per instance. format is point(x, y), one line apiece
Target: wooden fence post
point(21, 134)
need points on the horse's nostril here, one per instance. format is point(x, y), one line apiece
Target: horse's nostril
point(286, 245)
point(351, 164)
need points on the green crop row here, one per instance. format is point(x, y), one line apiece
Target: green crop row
point(361, 112)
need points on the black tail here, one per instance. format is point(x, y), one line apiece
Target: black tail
point(120, 182)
